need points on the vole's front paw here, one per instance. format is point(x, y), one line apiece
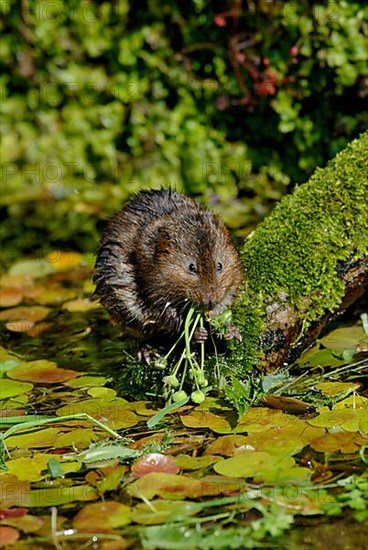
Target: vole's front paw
point(232, 333)
point(145, 355)
point(200, 335)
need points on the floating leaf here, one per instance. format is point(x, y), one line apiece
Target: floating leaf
point(35, 468)
point(173, 486)
point(35, 439)
point(102, 517)
point(279, 441)
point(334, 389)
point(11, 388)
point(226, 445)
point(60, 260)
point(258, 419)
point(203, 419)
point(154, 462)
point(112, 476)
point(185, 462)
point(55, 296)
point(42, 371)
point(13, 491)
point(253, 464)
point(322, 358)
point(31, 268)
point(78, 438)
point(54, 468)
point(353, 402)
point(349, 420)
point(81, 304)
point(10, 296)
point(8, 535)
point(344, 338)
point(26, 523)
point(143, 408)
point(103, 393)
point(114, 413)
point(163, 511)
point(334, 442)
point(56, 496)
point(7, 365)
point(25, 313)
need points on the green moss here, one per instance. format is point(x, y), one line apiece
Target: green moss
point(296, 250)
point(293, 256)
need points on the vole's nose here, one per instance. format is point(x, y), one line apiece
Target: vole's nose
point(209, 298)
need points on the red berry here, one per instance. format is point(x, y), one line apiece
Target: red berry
point(293, 51)
point(220, 21)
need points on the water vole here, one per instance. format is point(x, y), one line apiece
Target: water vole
point(161, 254)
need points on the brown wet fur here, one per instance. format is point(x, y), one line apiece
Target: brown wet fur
point(159, 255)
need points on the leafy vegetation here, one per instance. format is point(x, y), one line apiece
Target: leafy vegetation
point(225, 101)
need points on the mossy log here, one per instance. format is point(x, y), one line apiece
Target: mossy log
point(306, 262)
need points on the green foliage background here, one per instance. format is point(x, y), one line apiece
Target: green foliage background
point(229, 101)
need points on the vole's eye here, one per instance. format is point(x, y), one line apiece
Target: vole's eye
point(219, 266)
point(192, 268)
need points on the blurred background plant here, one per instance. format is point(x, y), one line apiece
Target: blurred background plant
point(227, 101)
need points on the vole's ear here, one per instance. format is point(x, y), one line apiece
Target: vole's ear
point(163, 242)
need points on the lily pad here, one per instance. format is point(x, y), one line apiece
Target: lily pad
point(162, 511)
point(102, 517)
point(10, 296)
point(114, 413)
point(60, 260)
point(26, 523)
point(8, 535)
point(77, 438)
point(35, 468)
point(55, 296)
point(35, 439)
point(344, 338)
point(173, 486)
point(349, 420)
point(56, 496)
point(11, 388)
point(32, 268)
point(344, 442)
point(42, 371)
point(252, 464)
point(203, 419)
point(25, 313)
point(185, 462)
point(335, 389)
point(13, 491)
point(81, 304)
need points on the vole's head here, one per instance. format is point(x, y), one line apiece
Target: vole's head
point(194, 262)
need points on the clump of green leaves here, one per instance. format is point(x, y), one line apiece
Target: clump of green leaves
point(187, 366)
